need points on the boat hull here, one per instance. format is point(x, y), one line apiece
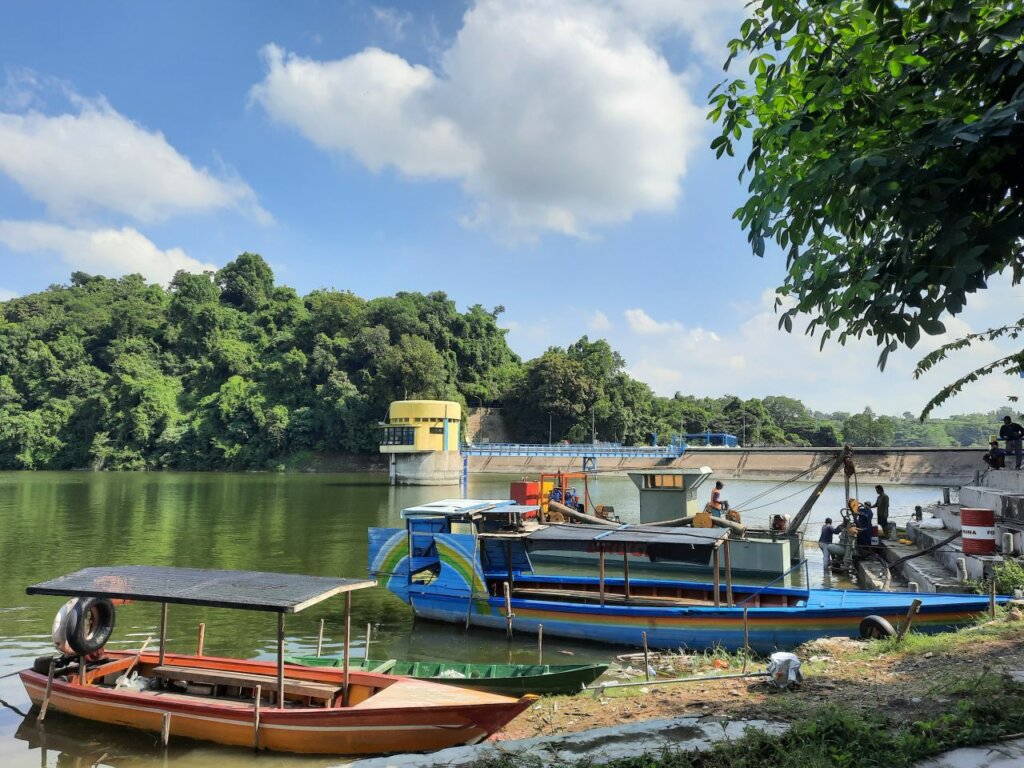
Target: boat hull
point(407, 716)
point(518, 680)
point(696, 628)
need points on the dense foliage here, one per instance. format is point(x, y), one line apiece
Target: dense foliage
point(229, 370)
point(886, 156)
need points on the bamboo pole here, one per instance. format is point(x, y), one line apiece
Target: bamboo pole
point(49, 690)
point(163, 632)
point(320, 639)
point(540, 643)
point(256, 719)
point(625, 570)
point(202, 639)
point(647, 658)
point(728, 575)
point(508, 610)
point(165, 731)
point(600, 571)
point(905, 624)
point(992, 597)
point(366, 651)
point(280, 660)
point(348, 648)
point(718, 578)
point(746, 639)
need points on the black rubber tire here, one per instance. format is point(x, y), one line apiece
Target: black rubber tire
point(876, 628)
point(89, 625)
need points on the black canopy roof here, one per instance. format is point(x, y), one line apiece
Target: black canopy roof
point(249, 590)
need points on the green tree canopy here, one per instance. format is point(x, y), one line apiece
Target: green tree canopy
point(885, 160)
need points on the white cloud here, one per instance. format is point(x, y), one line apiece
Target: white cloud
point(110, 252)
point(555, 116)
point(392, 19)
point(95, 159)
point(642, 323)
point(757, 359)
point(599, 322)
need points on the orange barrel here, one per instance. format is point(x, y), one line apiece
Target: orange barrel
point(978, 529)
point(525, 493)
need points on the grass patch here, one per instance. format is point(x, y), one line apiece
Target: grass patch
point(990, 708)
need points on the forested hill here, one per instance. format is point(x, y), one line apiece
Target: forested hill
point(229, 370)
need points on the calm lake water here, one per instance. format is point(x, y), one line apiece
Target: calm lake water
point(54, 523)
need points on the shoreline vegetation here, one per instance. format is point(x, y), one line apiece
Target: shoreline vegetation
point(227, 370)
point(862, 703)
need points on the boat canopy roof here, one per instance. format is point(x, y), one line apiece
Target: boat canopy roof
point(248, 590)
point(458, 508)
point(582, 536)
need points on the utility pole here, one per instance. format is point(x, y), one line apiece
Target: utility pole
point(549, 427)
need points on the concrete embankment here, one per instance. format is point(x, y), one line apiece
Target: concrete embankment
point(888, 466)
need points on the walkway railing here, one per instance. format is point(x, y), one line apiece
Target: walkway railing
point(575, 450)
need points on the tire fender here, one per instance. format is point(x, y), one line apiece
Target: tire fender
point(89, 624)
point(60, 629)
point(876, 627)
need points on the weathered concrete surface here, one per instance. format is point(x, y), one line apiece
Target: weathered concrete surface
point(1003, 754)
point(888, 466)
point(601, 744)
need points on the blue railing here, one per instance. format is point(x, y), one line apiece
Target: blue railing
point(575, 450)
point(721, 439)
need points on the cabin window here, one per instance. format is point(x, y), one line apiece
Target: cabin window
point(398, 436)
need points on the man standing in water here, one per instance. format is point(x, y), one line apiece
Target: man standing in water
point(882, 508)
point(825, 541)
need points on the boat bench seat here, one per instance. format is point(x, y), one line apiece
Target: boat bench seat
point(307, 688)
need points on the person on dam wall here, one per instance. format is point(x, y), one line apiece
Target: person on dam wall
point(1013, 434)
point(996, 456)
point(882, 508)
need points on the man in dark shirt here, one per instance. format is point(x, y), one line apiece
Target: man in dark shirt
point(996, 456)
point(882, 507)
point(864, 526)
point(1012, 433)
point(825, 539)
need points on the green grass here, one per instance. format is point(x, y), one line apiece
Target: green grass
point(990, 708)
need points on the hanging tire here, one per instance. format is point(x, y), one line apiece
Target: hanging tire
point(876, 628)
point(60, 627)
point(89, 625)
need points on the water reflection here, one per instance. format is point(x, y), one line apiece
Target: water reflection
point(54, 523)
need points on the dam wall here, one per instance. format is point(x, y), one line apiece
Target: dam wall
point(885, 466)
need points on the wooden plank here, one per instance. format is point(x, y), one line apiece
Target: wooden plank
point(309, 688)
point(385, 667)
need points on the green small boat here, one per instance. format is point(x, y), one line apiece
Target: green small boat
point(506, 679)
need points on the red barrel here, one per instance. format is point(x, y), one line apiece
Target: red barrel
point(978, 529)
point(526, 493)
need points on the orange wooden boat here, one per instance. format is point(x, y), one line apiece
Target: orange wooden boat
point(259, 704)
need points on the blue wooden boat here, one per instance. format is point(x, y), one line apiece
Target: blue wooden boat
point(453, 564)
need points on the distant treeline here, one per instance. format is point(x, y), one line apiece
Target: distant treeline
point(227, 370)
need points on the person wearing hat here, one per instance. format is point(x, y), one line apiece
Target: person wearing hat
point(996, 456)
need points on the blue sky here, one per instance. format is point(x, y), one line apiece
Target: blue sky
point(550, 157)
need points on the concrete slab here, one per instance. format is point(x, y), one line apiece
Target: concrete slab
point(1003, 754)
point(600, 744)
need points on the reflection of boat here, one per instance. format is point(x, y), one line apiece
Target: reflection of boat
point(260, 704)
point(507, 679)
point(470, 567)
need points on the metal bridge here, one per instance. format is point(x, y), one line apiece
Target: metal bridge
point(586, 450)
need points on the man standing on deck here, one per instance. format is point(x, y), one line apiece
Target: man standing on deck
point(825, 541)
point(882, 507)
point(1012, 433)
point(716, 499)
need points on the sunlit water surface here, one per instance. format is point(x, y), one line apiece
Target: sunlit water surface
point(54, 523)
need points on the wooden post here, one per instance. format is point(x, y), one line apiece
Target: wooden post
point(625, 570)
point(746, 640)
point(366, 650)
point(508, 610)
point(165, 731)
point(83, 668)
point(348, 648)
point(320, 639)
point(647, 660)
point(280, 660)
point(911, 613)
point(49, 690)
point(728, 575)
point(600, 571)
point(540, 643)
point(992, 597)
point(718, 578)
point(202, 639)
point(163, 632)
point(256, 719)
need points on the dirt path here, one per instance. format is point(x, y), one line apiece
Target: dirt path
point(916, 681)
